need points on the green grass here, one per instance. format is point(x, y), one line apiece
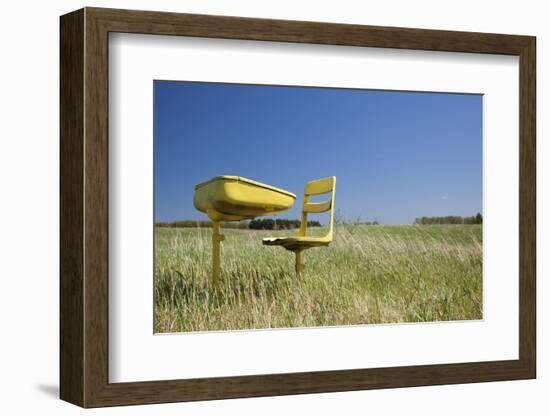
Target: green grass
point(369, 274)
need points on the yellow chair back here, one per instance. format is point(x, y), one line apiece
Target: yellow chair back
point(318, 187)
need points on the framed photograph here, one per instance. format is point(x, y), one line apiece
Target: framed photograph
point(254, 207)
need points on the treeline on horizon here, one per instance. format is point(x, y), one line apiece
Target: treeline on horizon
point(261, 224)
point(202, 224)
point(286, 224)
point(450, 219)
point(279, 224)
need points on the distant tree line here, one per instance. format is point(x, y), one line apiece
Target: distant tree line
point(279, 224)
point(366, 223)
point(262, 224)
point(450, 219)
point(202, 224)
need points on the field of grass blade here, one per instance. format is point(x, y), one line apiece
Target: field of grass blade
point(368, 275)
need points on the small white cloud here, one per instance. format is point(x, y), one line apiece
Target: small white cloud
point(444, 197)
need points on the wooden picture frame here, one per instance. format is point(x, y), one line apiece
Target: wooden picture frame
point(84, 207)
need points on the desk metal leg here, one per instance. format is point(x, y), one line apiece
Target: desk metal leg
point(299, 265)
point(217, 238)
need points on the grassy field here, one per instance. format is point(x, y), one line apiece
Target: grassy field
point(369, 274)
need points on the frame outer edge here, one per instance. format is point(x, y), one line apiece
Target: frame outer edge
point(295, 31)
point(528, 208)
point(71, 291)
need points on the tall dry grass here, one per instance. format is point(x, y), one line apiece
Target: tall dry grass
point(369, 274)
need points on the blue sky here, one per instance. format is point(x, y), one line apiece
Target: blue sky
point(396, 155)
